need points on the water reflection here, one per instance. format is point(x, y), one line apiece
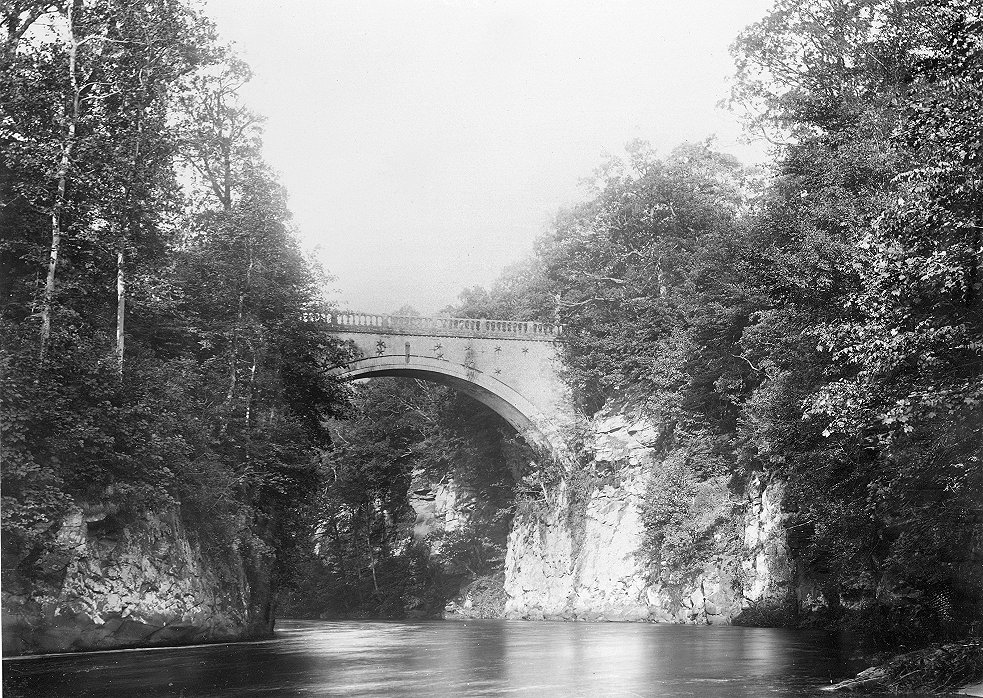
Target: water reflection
point(454, 658)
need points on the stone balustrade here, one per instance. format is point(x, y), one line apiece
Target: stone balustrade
point(438, 326)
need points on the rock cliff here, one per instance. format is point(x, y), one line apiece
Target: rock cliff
point(145, 583)
point(604, 548)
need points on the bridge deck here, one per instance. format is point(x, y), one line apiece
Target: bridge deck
point(438, 326)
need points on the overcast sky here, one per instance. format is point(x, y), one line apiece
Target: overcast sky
point(426, 143)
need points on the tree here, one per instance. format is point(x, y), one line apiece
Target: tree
point(916, 334)
point(825, 66)
point(866, 346)
point(160, 46)
point(221, 144)
point(95, 98)
point(221, 136)
point(621, 263)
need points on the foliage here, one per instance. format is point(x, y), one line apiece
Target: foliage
point(819, 325)
point(916, 333)
point(404, 439)
point(628, 254)
point(869, 404)
point(214, 402)
point(485, 597)
point(688, 517)
point(824, 66)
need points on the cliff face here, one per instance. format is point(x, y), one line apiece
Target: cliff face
point(439, 507)
point(453, 520)
point(143, 584)
point(599, 550)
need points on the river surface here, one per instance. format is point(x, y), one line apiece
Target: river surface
point(454, 658)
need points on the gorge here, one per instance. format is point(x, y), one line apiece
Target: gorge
point(712, 394)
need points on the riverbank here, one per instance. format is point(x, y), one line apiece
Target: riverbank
point(145, 582)
point(944, 669)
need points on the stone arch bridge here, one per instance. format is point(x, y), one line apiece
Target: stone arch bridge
point(512, 367)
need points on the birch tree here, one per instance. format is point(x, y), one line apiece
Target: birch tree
point(156, 45)
point(221, 145)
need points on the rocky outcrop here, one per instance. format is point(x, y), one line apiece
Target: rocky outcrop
point(590, 552)
point(438, 507)
point(145, 583)
point(550, 576)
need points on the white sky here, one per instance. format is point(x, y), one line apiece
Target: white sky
point(426, 143)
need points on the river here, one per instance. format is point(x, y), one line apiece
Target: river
point(447, 658)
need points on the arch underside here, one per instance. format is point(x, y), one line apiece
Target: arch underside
point(505, 401)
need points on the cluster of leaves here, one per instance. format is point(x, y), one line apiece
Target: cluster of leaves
point(154, 352)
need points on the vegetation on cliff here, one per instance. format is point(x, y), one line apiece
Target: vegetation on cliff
point(153, 294)
point(817, 321)
point(376, 556)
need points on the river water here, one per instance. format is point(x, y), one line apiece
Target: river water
point(454, 658)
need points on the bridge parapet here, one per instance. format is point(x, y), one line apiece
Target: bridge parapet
point(437, 326)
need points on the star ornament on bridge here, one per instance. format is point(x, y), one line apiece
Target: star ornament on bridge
point(380, 347)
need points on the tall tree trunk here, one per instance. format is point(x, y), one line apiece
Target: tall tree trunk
point(129, 224)
point(227, 170)
point(339, 548)
point(61, 179)
point(250, 390)
point(240, 312)
point(973, 273)
point(120, 305)
point(226, 198)
point(368, 542)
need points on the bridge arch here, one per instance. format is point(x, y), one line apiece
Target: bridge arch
point(488, 390)
point(512, 367)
